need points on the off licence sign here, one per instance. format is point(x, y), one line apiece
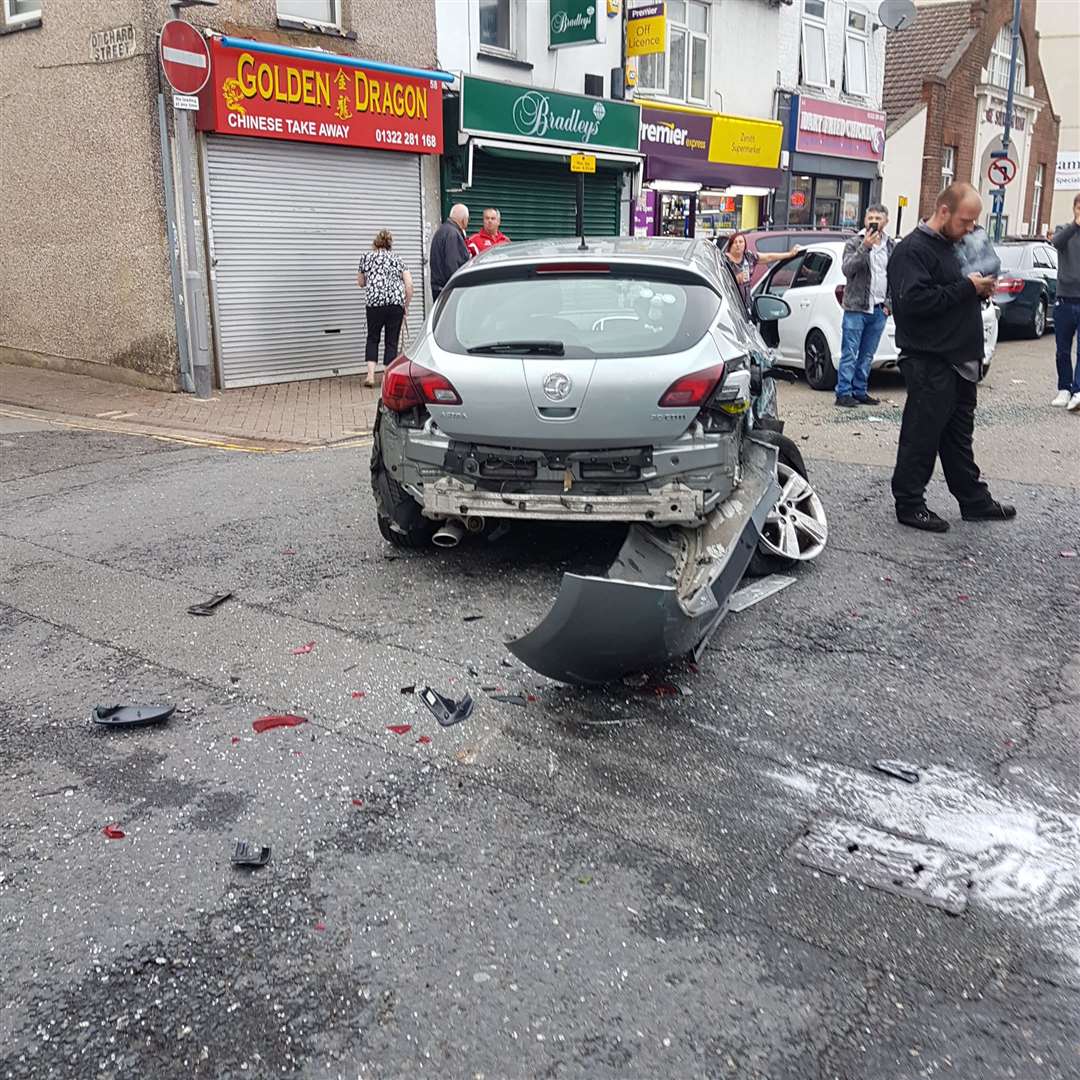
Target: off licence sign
point(646, 30)
point(285, 97)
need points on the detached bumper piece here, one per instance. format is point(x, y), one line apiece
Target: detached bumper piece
point(663, 597)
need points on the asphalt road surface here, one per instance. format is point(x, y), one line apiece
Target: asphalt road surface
point(702, 877)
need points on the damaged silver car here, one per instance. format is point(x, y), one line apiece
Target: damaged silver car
point(623, 382)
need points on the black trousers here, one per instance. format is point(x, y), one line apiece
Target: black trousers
point(388, 317)
point(939, 421)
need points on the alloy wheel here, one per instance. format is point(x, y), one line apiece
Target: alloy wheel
point(796, 527)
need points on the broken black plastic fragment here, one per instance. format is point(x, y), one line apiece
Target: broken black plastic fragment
point(246, 854)
point(131, 715)
point(510, 699)
point(447, 711)
point(898, 770)
point(208, 606)
point(471, 618)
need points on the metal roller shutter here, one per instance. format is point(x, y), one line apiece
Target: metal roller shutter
point(288, 223)
point(537, 198)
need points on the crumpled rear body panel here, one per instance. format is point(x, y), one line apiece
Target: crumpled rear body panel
point(665, 594)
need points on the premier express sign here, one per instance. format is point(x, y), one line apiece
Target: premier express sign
point(284, 97)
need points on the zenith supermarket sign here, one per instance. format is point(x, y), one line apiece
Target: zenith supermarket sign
point(830, 127)
point(251, 92)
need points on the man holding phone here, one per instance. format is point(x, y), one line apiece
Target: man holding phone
point(866, 294)
point(939, 330)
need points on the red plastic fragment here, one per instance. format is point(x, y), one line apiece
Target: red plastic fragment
point(358, 802)
point(424, 739)
point(963, 597)
point(320, 926)
point(288, 551)
point(530, 697)
point(266, 723)
point(357, 694)
point(399, 729)
point(301, 650)
point(235, 739)
point(1068, 554)
point(113, 832)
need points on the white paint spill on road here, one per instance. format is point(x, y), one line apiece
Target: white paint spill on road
point(1027, 855)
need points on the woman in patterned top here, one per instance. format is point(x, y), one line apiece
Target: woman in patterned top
point(389, 291)
point(740, 260)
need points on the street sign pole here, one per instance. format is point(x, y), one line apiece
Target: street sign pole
point(999, 201)
point(581, 208)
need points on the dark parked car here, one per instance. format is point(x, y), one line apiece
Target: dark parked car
point(1027, 286)
point(768, 241)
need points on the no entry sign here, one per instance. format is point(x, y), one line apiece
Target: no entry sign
point(1002, 171)
point(185, 58)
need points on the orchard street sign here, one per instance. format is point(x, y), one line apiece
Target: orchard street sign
point(526, 113)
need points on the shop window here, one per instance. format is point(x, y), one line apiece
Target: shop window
point(682, 72)
point(21, 11)
point(1000, 55)
point(800, 200)
point(1037, 198)
point(323, 12)
point(815, 61)
point(948, 166)
point(495, 29)
point(851, 204)
point(856, 55)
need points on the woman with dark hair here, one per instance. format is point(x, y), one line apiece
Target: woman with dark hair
point(740, 260)
point(389, 291)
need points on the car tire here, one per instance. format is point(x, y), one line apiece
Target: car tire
point(400, 519)
point(820, 369)
point(789, 459)
point(1037, 326)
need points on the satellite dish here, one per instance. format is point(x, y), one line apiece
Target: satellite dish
point(896, 14)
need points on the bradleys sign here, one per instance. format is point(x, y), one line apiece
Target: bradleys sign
point(525, 113)
point(286, 97)
point(830, 127)
point(573, 22)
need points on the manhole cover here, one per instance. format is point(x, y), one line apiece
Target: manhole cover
point(882, 860)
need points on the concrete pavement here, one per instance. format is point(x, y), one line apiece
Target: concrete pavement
point(598, 884)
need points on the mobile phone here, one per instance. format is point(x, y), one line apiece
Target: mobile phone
point(872, 227)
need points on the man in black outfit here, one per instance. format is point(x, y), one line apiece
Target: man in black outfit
point(939, 331)
point(448, 250)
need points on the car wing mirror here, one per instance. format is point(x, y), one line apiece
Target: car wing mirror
point(769, 308)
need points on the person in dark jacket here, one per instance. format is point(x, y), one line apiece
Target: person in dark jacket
point(448, 250)
point(1067, 311)
point(939, 332)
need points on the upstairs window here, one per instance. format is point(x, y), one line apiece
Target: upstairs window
point(1000, 55)
point(21, 11)
point(948, 166)
point(857, 54)
point(495, 31)
point(322, 12)
point(815, 59)
point(681, 72)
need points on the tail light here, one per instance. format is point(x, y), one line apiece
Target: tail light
point(407, 384)
point(693, 390)
point(1010, 285)
point(839, 295)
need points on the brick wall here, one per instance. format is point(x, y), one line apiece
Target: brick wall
point(952, 118)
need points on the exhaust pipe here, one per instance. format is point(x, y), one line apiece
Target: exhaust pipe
point(475, 523)
point(449, 534)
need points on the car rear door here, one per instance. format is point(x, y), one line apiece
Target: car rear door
point(806, 292)
point(777, 284)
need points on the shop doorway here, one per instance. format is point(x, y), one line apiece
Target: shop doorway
point(826, 202)
point(676, 214)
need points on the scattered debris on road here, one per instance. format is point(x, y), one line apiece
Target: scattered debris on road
point(509, 699)
point(898, 769)
point(268, 723)
point(1069, 554)
point(246, 854)
point(424, 739)
point(409, 689)
point(399, 729)
point(302, 650)
point(757, 591)
point(67, 792)
point(113, 832)
point(358, 694)
point(207, 607)
point(472, 618)
point(446, 710)
point(131, 715)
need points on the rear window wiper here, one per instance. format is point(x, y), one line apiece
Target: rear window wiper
point(542, 348)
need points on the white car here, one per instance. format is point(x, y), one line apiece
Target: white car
point(812, 282)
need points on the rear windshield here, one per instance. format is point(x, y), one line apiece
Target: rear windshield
point(1012, 258)
point(590, 316)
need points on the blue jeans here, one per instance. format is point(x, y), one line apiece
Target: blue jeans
point(862, 332)
point(1066, 332)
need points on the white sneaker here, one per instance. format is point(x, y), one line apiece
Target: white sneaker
point(1074, 402)
point(1062, 399)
